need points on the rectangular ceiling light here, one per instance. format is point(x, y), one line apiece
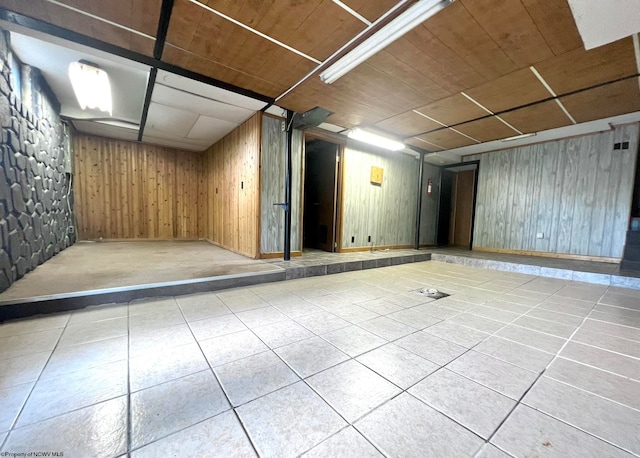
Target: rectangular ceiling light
point(405, 22)
point(91, 86)
point(375, 139)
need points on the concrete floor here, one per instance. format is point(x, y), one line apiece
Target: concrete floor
point(98, 265)
point(351, 364)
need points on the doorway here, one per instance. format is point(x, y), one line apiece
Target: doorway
point(457, 205)
point(321, 187)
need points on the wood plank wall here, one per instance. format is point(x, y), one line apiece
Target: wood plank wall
point(127, 190)
point(272, 187)
point(386, 213)
point(576, 191)
point(233, 203)
point(429, 213)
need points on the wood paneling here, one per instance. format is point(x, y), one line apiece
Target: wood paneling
point(80, 23)
point(408, 124)
point(232, 168)
point(423, 144)
point(456, 27)
point(555, 22)
point(386, 213)
point(487, 129)
point(542, 116)
point(602, 102)
point(453, 110)
point(272, 187)
point(370, 10)
point(447, 139)
point(580, 69)
point(509, 24)
point(577, 192)
point(512, 90)
point(126, 190)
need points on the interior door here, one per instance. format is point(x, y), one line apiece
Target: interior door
point(320, 195)
point(463, 208)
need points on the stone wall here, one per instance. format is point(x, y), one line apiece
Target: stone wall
point(34, 212)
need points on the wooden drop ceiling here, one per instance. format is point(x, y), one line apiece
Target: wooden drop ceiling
point(479, 70)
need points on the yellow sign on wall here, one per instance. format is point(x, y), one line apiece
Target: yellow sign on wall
point(376, 175)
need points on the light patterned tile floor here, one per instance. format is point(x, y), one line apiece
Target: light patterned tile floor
point(352, 364)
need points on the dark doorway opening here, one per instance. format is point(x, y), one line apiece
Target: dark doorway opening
point(320, 195)
point(456, 212)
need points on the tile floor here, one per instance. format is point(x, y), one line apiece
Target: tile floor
point(352, 364)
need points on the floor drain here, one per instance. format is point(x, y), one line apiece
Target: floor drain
point(432, 293)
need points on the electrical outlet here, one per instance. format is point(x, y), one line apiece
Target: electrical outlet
point(369, 239)
point(540, 235)
point(353, 239)
point(71, 230)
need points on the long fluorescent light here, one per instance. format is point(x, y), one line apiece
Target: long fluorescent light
point(405, 22)
point(91, 86)
point(375, 139)
point(518, 137)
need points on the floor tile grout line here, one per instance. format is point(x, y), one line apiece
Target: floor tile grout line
point(231, 406)
point(594, 394)
point(129, 405)
point(24, 404)
point(588, 433)
point(598, 368)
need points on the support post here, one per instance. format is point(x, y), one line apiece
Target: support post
point(419, 203)
point(287, 188)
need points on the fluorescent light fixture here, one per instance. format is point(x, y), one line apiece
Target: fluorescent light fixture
point(405, 22)
point(375, 139)
point(518, 137)
point(91, 85)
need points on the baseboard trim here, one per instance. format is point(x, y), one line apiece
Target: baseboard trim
point(376, 248)
point(279, 255)
point(542, 254)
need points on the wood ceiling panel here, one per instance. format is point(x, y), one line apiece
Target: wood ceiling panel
point(538, 117)
point(487, 129)
point(510, 91)
point(447, 139)
point(423, 51)
point(195, 63)
point(315, 27)
point(140, 15)
point(183, 24)
point(455, 27)
point(388, 63)
point(556, 23)
point(610, 100)
point(377, 88)
point(370, 10)
point(229, 45)
point(509, 24)
point(580, 69)
point(408, 124)
point(422, 144)
point(453, 110)
point(349, 109)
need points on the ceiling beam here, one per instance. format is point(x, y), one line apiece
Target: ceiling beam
point(161, 38)
point(69, 35)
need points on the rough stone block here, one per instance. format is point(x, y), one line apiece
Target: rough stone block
point(12, 222)
point(21, 161)
point(14, 246)
point(14, 141)
point(16, 196)
point(4, 234)
point(21, 265)
point(50, 251)
point(4, 281)
point(5, 110)
point(24, 221)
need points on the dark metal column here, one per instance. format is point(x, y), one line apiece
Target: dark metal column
point(419, 203)
point(287, 188)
